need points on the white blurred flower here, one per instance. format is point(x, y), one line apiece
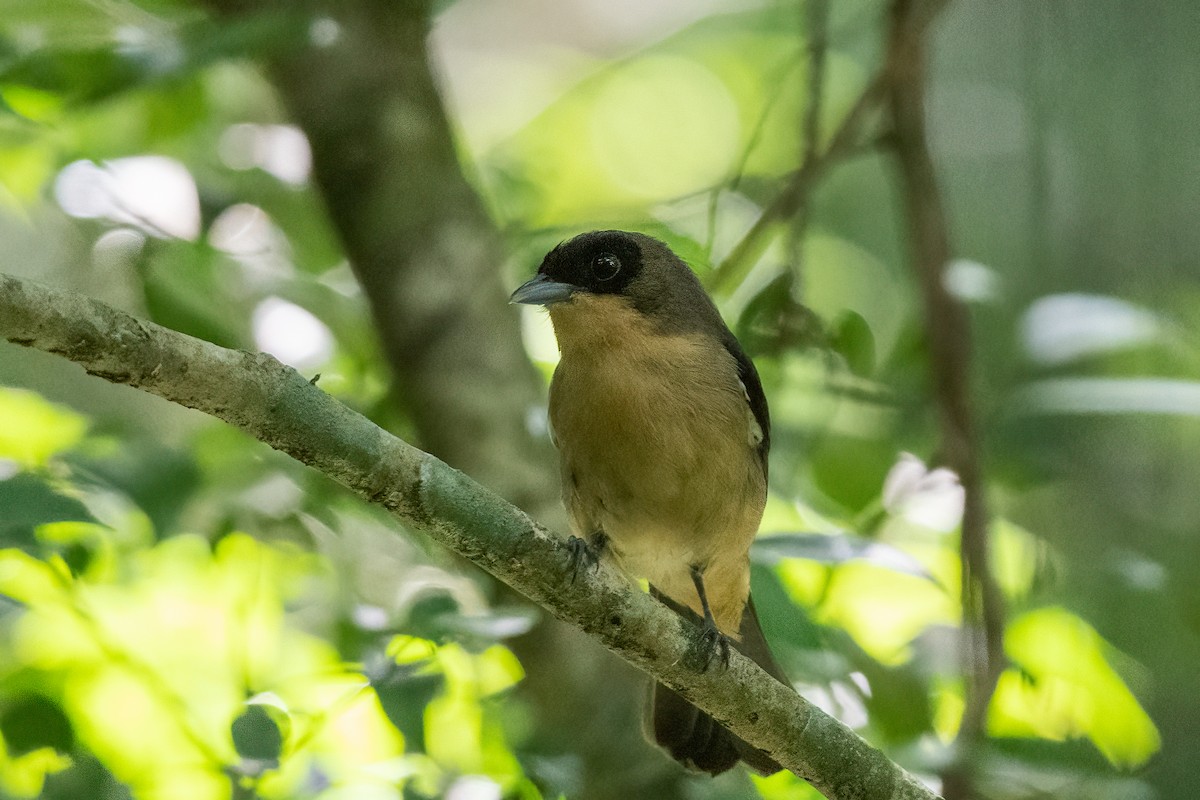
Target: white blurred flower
point(280, 150)
point(1060, 328)
point(971, 281)
point(473, 787)
point(291, 334)
point(929, 498)
point(153, 193)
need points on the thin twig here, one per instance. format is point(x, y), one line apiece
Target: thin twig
point(817, 24)
point(947, 336)
point(795, 194)
point(818, 21)
point(779, 82)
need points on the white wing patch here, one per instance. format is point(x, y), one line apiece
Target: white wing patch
point(755, 431)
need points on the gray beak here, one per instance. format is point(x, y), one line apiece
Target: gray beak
point(542, 291)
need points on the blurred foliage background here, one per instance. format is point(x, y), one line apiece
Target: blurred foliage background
point(352, 186)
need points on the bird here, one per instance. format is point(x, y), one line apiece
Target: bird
point(662, 431)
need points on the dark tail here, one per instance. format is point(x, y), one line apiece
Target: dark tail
point(692, 737)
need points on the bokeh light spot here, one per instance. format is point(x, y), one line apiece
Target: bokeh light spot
point(291, 334)
point(664, 126)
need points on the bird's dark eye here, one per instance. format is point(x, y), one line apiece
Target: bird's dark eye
point(605, 267)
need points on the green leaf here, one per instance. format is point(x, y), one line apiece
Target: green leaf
point(186, 290)
point(160, 479)
point(86, 777)
point(404, 690)
point(850, 469)
point(30, 722)
point(783, 622)
point(82, 75)
point(27, 501)
point(774, 321)
point(35, 429)
point(853, 340)
point(257, 739)
point(898, 701)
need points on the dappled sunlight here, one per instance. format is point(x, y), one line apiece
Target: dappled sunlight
point(34, 430)
point(655, 94)
point(155, 666)
point(1063, 684)
point(884, 610)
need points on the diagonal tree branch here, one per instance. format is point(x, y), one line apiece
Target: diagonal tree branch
point(276, 405)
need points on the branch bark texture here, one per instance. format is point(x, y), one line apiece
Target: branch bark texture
point(278, 406)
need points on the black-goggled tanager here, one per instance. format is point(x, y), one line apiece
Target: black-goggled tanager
point(662, 431)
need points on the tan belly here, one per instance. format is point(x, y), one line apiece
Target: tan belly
point(672, 483)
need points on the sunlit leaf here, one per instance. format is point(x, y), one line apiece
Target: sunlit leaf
point(34, 430)
point(29, 580)
point(1017, 555)
point(34, 105)
point(26, 774)
point(784, 786)
point(497, 670)
point(884, 610)
point(454, 732)
point(1071, 689)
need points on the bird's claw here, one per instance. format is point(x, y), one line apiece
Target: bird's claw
point(715, 644)
point(581, 556)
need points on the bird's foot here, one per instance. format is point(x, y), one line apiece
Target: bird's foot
point(715, 645)
point(583, 556)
